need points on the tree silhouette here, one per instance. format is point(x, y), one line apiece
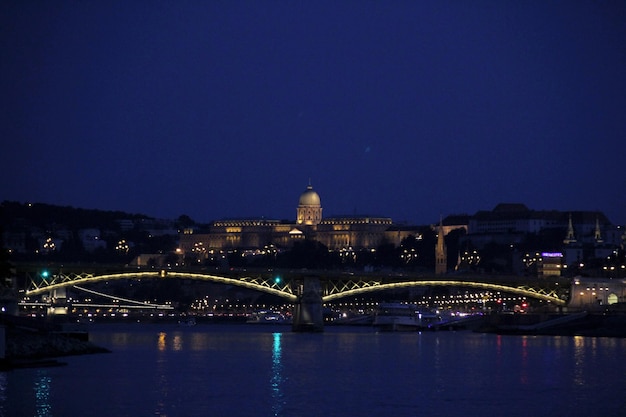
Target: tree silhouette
point(308, 254)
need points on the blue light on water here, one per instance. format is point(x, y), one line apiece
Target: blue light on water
point(276, 381)
point(43, 408)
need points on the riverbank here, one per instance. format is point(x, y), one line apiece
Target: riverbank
point(29, 343)
point(578, 324)
point(22, 345)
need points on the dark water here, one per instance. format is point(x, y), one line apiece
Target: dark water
point(247, 370)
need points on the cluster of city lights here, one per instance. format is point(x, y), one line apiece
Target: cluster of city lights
point(409, 255)
point(49, 245)
point(122, 247)
point(206, 305)
point(212, 306)
point(470, 258)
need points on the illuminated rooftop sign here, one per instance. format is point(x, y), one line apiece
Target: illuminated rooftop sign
point(552, 254)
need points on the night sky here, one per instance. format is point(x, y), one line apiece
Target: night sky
point(226, 109)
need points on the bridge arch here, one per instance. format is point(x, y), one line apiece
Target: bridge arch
point(284, 289)
point(259, 284)
point(481, 285)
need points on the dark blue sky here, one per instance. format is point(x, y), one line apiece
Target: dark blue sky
point(408, 109)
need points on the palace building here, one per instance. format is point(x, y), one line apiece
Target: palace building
point(337, 233)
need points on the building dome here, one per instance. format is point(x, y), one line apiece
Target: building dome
point(309, 211)
point(309, 198)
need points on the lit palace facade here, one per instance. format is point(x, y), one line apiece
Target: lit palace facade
point(336, 233)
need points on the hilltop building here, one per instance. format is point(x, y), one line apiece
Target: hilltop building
point(538, 242)
point(547, 239)
point(506, 221)
point(337, 233)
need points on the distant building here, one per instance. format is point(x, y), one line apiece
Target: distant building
point(594, 293)
point(455, 222)
point(506, 221)
point(550, 264)
point(574, 235)
point(511, 219)
point(362, 232)
point(337, 233)
point(395, 234)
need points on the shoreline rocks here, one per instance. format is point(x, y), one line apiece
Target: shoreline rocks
point(27, 339)
point(22, 345)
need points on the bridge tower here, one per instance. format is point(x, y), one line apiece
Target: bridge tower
point(307, 311)
point(441, 256)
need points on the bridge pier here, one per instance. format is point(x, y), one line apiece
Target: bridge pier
point(307, 312)
point(58, 305)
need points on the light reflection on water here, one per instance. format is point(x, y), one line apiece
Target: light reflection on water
point(242, 370)
point(161, 342)
point(276, 381)
point(524, 377)
point(43, 405)
point(161, 378)
point(580, 346)
point(3, 393)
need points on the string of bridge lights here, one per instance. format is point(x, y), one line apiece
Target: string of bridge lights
point(460, 299)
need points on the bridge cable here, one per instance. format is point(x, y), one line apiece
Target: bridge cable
point(144, 303)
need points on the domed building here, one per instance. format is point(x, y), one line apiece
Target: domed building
point(309, 210)
point(254, 235)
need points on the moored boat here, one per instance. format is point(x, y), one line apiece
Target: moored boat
point(402, 317)
point(266, 317)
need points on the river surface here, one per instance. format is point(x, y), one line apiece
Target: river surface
point(254, 370)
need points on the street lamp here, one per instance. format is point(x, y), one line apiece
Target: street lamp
point(122, 247)
point(49, 245)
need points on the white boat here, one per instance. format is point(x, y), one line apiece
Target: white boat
point(266, 317)
point(397, 317)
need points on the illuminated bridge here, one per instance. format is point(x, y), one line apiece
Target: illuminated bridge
point(307, 290)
